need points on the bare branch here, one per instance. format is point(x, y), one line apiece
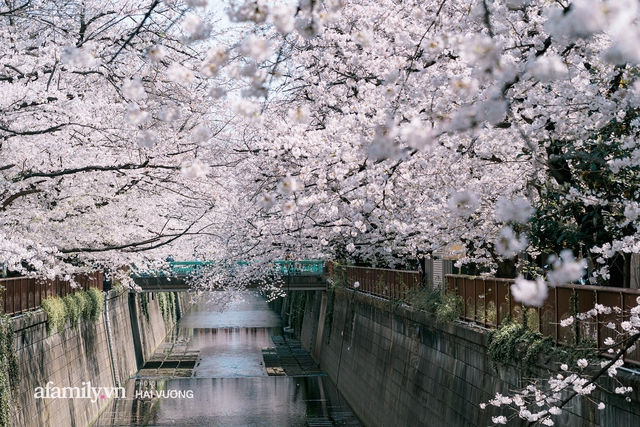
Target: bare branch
point(136, 31)
point(14, 10)
point(126, 166)
point(16, 196)
point(34, 132)
point(136, 246)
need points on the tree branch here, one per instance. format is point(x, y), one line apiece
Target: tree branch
point(136, 31)
point(630, 343)
point(15, 196)
point(134, 246)
point(127, 166)
point(34, 132)
point(12, 11)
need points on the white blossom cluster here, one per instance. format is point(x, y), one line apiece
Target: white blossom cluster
point(400, 142)
point(537, 406)
point(541, 400)
point(111, 134)
point(357, 122)
point(565, 269)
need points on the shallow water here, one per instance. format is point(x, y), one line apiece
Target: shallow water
point(229, 386)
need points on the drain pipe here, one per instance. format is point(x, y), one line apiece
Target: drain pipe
point(107, 324)
point(178, 308)
point(342, 338)
point(340, 359)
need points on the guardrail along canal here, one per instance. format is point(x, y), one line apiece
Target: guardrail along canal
point(228, 369)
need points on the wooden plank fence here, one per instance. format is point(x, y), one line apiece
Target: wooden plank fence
point(488, 302)
point(20, 294)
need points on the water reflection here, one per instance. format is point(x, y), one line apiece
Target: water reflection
point(231, 352)
point(252, 312)
point(230, 386)
point(232, 402)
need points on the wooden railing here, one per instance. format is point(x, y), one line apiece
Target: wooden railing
point(488, 301)
point(385, 283)
point(20, 294)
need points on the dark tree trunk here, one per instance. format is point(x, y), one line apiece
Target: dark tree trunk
point(627, 270)
point(506, 269)
point(617, 270)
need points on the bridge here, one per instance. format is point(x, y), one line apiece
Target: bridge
point(299, 275)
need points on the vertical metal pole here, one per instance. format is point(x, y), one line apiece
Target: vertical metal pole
point(555, 314)
point(107, 325)
point(484, 290)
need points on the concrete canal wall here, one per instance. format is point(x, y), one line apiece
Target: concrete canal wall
point(398, 367)
point(105, 353)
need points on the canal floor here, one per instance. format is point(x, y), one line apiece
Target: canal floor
point(229, 385)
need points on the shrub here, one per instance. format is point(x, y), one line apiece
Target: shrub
point(167, 303)
point(449, 308)
point(117, 286)
point(446, 306)
point(56, 313)
point(164, 305)
point(424, 298)
point(86, 304)
point(172, 305)
point(9, 373)
point(144, 305)
point(74, 307)
point(97, 304)
point(505, 342)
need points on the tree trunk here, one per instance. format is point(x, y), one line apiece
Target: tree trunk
point(617, 269)
point(506, 269)
point(627, 270)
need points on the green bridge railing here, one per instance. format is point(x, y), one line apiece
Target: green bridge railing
point(301, 267)
point(193, 268)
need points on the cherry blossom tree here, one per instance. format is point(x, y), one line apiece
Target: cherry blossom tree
point(359, 129)
point(411, 125)
point(373, 129)
point(108, 149)
point(394, 128)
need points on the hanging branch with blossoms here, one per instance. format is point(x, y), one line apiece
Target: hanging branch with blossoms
point(543, 400)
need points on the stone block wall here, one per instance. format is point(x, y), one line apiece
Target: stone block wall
point(76, 356)
point(120, 324)
point(398, 367)
point(310, 322)
point(80, 355)
point(154, 329)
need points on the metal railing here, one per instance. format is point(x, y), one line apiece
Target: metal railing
point(20, 294)
point(488, 301)
point(300, 267)
point(174, 268)
point(190, 268)
point(382, 282)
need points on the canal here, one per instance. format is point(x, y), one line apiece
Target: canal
point(226, 382)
